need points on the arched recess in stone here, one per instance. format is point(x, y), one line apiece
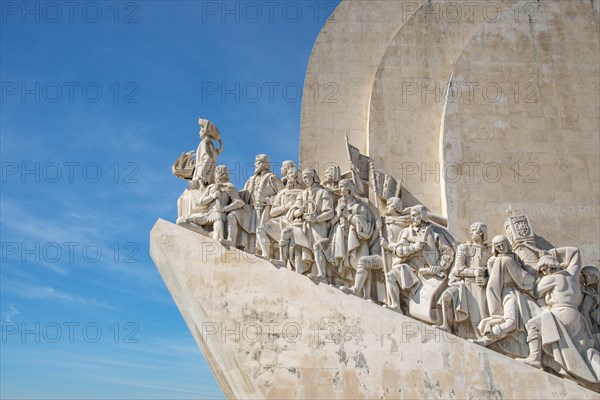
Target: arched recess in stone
point(408, 93)
point(339, 77)
point(528, 135)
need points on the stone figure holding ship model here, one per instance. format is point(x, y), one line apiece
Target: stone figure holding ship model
point(537, 305)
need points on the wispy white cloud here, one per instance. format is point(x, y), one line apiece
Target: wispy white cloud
point(33, 292)
point(12, 312)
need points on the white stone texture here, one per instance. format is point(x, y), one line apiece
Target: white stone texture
point(318, 342)
point(539, 139)
point(544, 55)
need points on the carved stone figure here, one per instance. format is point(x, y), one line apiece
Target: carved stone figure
point(394, 222)
point(354, 228)
point(422, 257)
point(270, 231)
point(285, 167)
point(590, 305)
point(259, 192)
point(220, 201)
point(333, 175)
point(508, 305)
point(464, 302)
point(310, 216)
point(206, 154)
point(560, 331)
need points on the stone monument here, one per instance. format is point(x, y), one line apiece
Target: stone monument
point(371, 284)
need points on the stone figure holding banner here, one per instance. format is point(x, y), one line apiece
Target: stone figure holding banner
point(394, 222)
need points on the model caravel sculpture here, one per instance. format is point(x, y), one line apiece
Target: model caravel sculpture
point(351, 231)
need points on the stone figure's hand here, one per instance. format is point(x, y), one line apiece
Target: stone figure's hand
point(194, 184)
point(345, 212)
point(479, 272)
point(379, 224)
point(434, 269)
point(297, 213)
point(384, 243)
point(310, 218)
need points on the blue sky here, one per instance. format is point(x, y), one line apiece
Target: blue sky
point(98, 100)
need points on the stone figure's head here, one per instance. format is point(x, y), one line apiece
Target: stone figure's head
point(590, 276)
point(292, 178)
point(394, 206)
point(333, 174)
point(285, 167)
point(347, 187)
point(203, 123)
point(221, 174)
point(547, 265)
point(261, 164)
point(418, 215)
point(309, 176)
point(500, 245)
point(478, 232)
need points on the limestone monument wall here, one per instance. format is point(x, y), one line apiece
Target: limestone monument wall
point(523, 134)
point(339, 76)
point(273, 333)
point(540, 139)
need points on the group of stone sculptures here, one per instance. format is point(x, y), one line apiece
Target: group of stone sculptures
point(536, 305)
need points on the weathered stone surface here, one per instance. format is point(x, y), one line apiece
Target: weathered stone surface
point(339, 77)
point(542, 132)
point(407, 98)
point(272, 333)
point(534, 138)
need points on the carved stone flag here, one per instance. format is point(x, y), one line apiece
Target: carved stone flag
point(360, 161)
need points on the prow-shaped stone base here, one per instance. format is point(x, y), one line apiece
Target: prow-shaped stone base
point(271, 333)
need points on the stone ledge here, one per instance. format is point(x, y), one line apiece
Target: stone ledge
point(271, 333)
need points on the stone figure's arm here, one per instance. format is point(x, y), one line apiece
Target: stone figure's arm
point(327, 212)
point(278, 207)
point(360, 220)
point(208, 196)
point(236, 201)
point(276, 186)
point(446, 253)
point(460, 263)
point(545, 285)
point(405, 247)
point(295, 210)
